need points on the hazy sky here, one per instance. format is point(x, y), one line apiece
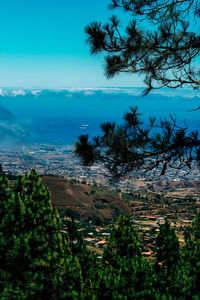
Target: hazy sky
point(43, 44)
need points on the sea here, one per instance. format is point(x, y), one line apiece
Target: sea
point(58, 117)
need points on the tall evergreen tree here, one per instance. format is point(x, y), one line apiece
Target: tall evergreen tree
point(168, 261)
point(36, 262)
point(189, 279)
point(125, 273)
point(87, 260)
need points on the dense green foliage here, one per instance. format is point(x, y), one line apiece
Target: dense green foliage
point(125, 272)
point(33, 254)
point(42, 258)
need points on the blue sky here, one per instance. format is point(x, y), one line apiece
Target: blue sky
point(43, 45)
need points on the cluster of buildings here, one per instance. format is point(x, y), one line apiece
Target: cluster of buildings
point(59, 160)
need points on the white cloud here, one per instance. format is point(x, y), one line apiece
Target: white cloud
point(129, 91)
point(72, 90)
point(184, 93)
point(18, 92)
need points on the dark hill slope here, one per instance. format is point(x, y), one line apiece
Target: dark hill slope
point(86, 202)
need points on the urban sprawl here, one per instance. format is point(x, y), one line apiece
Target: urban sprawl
point(59, 160)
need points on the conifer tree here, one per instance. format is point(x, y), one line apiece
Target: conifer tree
point(189, 278)
point(87, 260)
point(168, 260)
point(160, 42)
point(36, 262)
point(125, 274)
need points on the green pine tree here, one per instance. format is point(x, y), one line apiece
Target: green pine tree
point(161, 42)
point(36, 262)
point(190, 273)
point(125, 273)
point(168, 260)
point(87, 260)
